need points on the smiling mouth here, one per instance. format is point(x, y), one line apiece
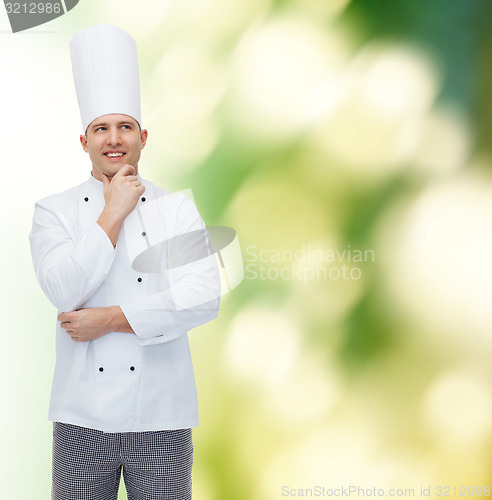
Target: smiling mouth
point(114, 155)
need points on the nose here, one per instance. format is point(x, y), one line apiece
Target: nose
point(114, 136)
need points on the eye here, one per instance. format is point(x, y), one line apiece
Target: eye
point(100, 128)
point(127, 127)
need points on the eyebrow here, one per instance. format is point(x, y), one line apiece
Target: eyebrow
point(102, 124)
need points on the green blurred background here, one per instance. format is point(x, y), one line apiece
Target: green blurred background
point(348, 143)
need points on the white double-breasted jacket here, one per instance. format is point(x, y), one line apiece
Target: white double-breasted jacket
point(123, 382)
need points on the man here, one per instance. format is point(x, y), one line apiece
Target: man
point(130, 269)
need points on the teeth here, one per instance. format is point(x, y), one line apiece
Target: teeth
point(114, 155)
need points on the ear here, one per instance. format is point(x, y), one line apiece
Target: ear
point(83, 141)
point(143, 137)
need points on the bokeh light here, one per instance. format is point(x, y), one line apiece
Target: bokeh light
point(387, 91)
point(277, 67)
point(440, 248)
point(458, 409)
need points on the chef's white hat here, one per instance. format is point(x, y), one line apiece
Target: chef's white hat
point(105, 71)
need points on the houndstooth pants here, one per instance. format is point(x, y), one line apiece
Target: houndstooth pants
point(87, 464)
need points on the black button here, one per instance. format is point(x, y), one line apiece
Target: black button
point(101, 369)
point(139, 280)
point(132, 368)
point(143, 199)
point(144, 233)
point(86, 199)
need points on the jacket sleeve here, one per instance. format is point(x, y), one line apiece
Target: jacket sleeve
point(190, 285)
point(69, 268)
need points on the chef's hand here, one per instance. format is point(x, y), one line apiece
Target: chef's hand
point(121, 195)
point(85, 324)
point(94, 322)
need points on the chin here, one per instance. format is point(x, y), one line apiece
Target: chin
point(113, 171)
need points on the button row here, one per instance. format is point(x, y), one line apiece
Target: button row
point(87, 199)
point(132, 368)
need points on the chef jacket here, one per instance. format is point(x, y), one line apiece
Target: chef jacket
point(123, 382)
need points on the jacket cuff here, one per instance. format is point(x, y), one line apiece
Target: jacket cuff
point(144, 320)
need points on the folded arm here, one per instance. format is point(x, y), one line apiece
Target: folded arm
point(94, 322)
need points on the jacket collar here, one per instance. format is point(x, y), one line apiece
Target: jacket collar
point(95, 184)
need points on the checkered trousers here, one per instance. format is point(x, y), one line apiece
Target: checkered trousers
point(87, 464)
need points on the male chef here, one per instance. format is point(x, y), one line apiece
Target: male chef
point(129, 267)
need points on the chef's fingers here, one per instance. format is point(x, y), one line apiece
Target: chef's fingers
point(130, 178)
point(65, 316)
point(125, 170)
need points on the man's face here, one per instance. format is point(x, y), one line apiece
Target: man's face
point(113, 141)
